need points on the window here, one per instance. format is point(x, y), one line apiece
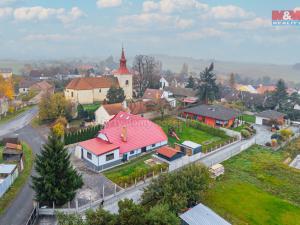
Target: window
point(99, 90)
point(89, 155)
point(153, 145)
point(132, 152)
point(127, 82)
point(110, 157)
point(72, 94)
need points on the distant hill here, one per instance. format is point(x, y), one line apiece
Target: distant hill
point(254, 70)
point(296, 66)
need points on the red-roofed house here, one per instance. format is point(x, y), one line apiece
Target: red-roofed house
point(125, 136)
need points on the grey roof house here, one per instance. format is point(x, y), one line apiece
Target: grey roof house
point(202, 215)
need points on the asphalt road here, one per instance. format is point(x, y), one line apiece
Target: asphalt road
point(19, 122)
point(21, 207)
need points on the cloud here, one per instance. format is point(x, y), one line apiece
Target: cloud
point(247, 24)
point(170, 6)
point(36, 13)
point(4, 12)
point(108, 3)
point(184, 23)
point(47, 37)
point(74, 14)
point(227, 12)
point(201, 34)
point(145, 19)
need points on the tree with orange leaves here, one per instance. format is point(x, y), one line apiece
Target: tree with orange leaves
point(6, 87)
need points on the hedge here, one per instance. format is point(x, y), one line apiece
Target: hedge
point(207, 129)
point(81, 135)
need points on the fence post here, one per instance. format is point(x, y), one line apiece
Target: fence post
point(53, 206)
point(115, 189)
point(153, 174)
point(76, 204)
point(125, 185)
point(69, 204)
point(103, 189)
point(135, 182)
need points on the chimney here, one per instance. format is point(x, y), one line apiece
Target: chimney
point(124, 134)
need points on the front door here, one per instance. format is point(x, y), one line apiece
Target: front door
point(143, 149)
point(125, 157)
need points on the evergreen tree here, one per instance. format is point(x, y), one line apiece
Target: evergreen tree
point(280, 94)
point(191, 83)
point(115, 95)
point(130, 213)
point(208, 90)
point(232, 81)
point(56, 180)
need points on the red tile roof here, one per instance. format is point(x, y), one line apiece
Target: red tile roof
point(13, 146)
point(89, 83)
point(140, 132)
point(98, 146)
point(167, 151)
point(152, 94)
point(113, 109)
point(264, 89)
point(137, 107)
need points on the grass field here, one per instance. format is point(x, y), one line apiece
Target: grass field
point(127, 169)
point(11, 116)
point(91, 107)
point(249, 118)
point(258, 188)
point(188, 133)
point(12, 192)
point(1, 156)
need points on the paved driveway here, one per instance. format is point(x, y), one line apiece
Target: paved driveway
point(263, 134)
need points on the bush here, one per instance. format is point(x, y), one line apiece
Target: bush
point(207, 129)
point(81, 135)
point(245, 133)
point(286, 133)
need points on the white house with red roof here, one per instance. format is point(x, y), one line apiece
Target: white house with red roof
point(125, 136)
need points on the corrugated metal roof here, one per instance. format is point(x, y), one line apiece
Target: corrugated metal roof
point(191, 144)
point(202, 215)
point(7, 168)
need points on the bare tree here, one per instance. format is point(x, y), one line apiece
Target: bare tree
point(148, 73)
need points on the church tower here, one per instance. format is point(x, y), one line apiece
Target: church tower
point(124, 76)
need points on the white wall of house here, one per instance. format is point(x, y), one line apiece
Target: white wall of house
point(259, 120)
point(23, 90)
point(94, 159)
point(101, 116)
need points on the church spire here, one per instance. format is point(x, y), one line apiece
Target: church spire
point(123, 68)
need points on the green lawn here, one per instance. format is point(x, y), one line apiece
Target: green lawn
point(11, 116)
point(239, 128)
point(127, 169)
point(185, 133)
point(1, 156)
point(12, 192)
point(91, 107)
point(258, 188)
point(248, 118)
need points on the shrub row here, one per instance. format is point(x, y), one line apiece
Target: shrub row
point(140, 174)
point(81, 135)
point(207, 129)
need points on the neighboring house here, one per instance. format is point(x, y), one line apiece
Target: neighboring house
point(264, 89)
point(156, 94)
point(12, 152)
point(264, 117)
point(8, 174)
point(168, 153)
point(3, 106)
point(201, 215)
point(246, 88)
point(179, 92)
point(123, 137)
point(24, 85)
point(163, 82)
point(297, 107)
point(106, 112)
point(42, 86)
point(212, 115)
point(6, 72)
point(94, 89)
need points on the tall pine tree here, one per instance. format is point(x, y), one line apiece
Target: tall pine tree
point(191, 83)
point(208, 90)
point(56, 180)
point(280, 94)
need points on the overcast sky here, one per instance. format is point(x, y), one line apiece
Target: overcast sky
point(222, 30)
